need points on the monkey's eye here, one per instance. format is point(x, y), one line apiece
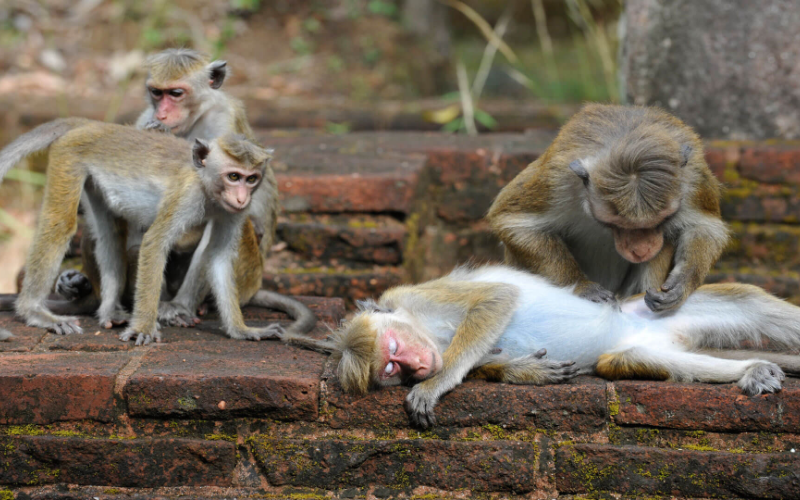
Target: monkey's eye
point(157, 93)
point(392, 346)
point(233, 176)
point(175, 92)
point(389, 368)
point(252, 179)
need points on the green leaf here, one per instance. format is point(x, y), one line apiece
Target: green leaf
point(485, 119)
point(382, 8)
point(454, 126)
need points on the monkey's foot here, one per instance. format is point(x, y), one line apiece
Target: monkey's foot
point(597, 293)
point(174, 314)
point(419, 407)
point(271, 332)
point(117, 317)
point(141, 337)
point(762, 377)
point(60, 325)
point(73, 285)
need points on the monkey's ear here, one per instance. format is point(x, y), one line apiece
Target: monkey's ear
point(217, 71)
point(577, 167)
point(200, 151)
point(686, 153)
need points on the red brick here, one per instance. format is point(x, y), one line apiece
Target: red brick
point(708, 407)
point(261, 379)
point(723, 157)
point(761, 203)
point(507, 466)
point(772, 163)
point(579, 406)
point(350, 284)
point(635, 471)
point(45, 388)
point(363, 238)
point(331, 182)
point(756, 244)
point(25, 337)
point(33, 460)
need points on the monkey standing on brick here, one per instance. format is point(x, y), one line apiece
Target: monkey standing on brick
point(157, 183)
point(622, 202)
point(501, 322)
point(185, 99)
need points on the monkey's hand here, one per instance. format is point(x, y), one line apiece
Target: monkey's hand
point(142, 338)
point(671, 295)
point(156, 125)
point(762, 377)
point(73, 285)
point(419, 405)
point(175, 314)
point(596, 293)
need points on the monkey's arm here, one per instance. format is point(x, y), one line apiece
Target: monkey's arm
point(546, 254)
point(697, 249)
point(487, 310)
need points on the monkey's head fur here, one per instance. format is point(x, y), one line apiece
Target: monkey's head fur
point(356, 342)
point(640, 176)
point(170, 65)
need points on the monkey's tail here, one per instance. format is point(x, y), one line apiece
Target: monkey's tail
point(725, 315)
point(34, 141)
point(304, 320)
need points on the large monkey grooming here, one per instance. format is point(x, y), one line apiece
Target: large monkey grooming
point(622, 202)
point(501, 322)
point(185, 98)
point(152, 181)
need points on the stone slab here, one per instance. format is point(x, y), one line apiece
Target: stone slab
point(223, 380)
point(637, 471)
point(507, 466)
point(41, 388)
point(33, 460)
point(711, 407)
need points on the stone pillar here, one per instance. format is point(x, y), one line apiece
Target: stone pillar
point(729, 68)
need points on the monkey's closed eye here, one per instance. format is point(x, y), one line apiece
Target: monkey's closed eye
point(233, 176)
point(392, 346)
point(175, 92)
point(389, 368)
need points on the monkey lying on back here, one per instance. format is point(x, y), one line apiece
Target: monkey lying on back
point(501, 322)
point(152, 181)
point(622, 202)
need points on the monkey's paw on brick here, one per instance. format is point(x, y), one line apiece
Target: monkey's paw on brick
point(174, 314)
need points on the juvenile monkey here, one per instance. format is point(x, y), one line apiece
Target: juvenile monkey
point(622, 202)
point(500, 322)
point(155, 182)
point(185, 99)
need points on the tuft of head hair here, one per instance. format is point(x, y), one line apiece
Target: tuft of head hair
point(640, 174)
point(238, 147)
point(173, 64)
point(357, 344)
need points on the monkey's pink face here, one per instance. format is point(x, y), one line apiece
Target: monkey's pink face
point(407, 356)
point(237, 188)
point(170, 105)
point(639, 242)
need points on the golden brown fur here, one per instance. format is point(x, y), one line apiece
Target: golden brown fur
point(635, 166)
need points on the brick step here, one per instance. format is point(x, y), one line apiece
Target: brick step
point(375, 239)
point(293, 274)
point(757, 244)
point(637, 471)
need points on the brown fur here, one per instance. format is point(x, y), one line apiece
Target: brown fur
point(171, 65)
point(637, 170)
point(624, 366)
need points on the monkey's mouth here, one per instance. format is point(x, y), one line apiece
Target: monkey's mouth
point(232, 208)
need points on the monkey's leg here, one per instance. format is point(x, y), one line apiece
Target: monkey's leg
point(58, 221)
point(181, 310)
point(74, 285)
point(109, 241)
point(789, 363)
point(532, 369)
point(221, 250)
point(754, 376)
